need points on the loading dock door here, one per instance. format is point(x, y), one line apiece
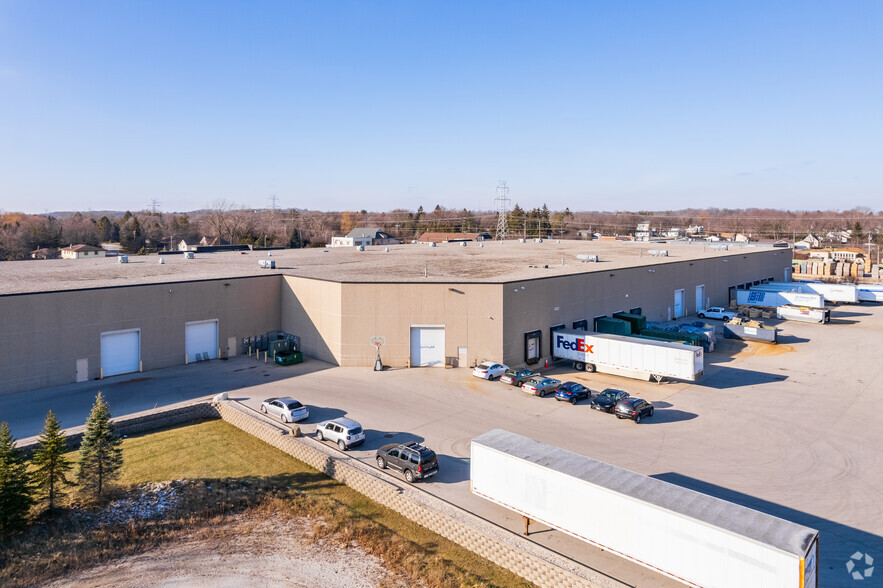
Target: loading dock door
point(679, 303)
point(120, 352)
point(700, 298)
point(201, 340)
point(427, 345)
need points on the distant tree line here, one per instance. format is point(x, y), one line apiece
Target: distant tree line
point(225, 223)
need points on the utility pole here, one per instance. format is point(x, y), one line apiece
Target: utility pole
point(502, 212)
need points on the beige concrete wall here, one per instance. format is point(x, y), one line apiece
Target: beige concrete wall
point(43, 335)
point(470, 313)
point(542, 303)
point(311, 309)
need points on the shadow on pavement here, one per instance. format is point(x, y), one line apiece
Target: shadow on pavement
point(837, 542)
point(668, 415)
point(727, 377)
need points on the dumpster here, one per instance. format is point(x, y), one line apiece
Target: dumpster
point(289, 357)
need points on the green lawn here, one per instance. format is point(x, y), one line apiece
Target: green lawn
point(215, 449)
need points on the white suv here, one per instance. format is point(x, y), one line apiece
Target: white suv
point(345, 432)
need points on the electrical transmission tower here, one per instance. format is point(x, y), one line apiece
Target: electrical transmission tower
point(502, 211)
point(153, 205)
point(273, 198)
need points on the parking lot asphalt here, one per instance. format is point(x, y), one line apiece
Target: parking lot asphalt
point(790, 429)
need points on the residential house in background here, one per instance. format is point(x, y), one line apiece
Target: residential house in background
point(81, 252)
point(643, 232)
point(364, 236)
point(812, 241)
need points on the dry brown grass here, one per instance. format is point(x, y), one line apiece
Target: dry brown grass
point(75, 538)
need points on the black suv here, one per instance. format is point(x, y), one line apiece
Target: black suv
point(633, 408)
point(412, 459)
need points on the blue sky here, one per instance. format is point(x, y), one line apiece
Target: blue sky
point(381, 105)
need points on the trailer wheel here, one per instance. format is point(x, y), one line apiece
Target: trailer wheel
point(579, 366)
point(590, 367)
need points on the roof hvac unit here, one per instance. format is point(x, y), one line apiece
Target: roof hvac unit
point(162, 260)
point(522, 240)
point(267, 263)
point(658, 252)
point(432, 244)
point(360, 247)
point(462, 243)
point(584, 258)
point(188, 255)
point(537, 240)
point(123, 259)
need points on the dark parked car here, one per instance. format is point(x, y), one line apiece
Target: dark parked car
point(517, 377)
point(412, 459)
point(572, 392)
point(608, 398)
point(633, 408)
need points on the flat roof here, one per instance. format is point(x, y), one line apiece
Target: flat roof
point(488, 262)
point(729, 516)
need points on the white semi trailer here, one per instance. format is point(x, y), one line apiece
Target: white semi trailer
point(642, 359)
point(689, 536)
point(830, 292)
point(870, 292)
point(804, 314)
point(774, 299)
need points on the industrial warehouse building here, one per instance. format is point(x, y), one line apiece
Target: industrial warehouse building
point(63, 321)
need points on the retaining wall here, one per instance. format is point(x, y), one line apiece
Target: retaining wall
point(506, 549)
point(509, 550)
point(140, 422)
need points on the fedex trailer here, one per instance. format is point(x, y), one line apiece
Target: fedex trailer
point(686, 535)
point(774, 299)
point(642, 359)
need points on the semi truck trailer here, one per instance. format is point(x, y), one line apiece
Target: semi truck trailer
point(774, 299)
point(689, 536)
point(642, 359)
point(830, 292)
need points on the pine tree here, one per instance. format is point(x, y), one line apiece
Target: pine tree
point(100, 454)
point(51, 465)
point(15, 485)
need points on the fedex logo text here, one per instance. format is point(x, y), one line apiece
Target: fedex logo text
point(577, 345)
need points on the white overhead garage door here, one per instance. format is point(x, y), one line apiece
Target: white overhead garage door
point(427, 345)
point(679, 304)
point(120, 352)
point(201, 340)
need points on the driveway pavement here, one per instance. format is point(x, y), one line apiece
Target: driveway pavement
point(792, 429)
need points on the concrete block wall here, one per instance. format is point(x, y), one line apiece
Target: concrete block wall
point(149, 420)
point(509, 550)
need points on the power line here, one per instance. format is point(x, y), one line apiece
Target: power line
point(502, 212)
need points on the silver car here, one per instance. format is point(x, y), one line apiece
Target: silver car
point(345, 432)
point(540, 386)
point(288, 410)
